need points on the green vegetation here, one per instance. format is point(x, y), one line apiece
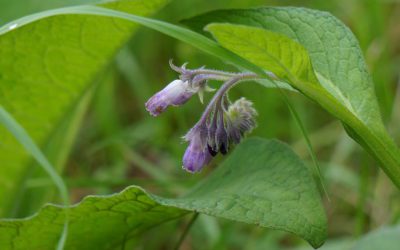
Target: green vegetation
point(74, 78)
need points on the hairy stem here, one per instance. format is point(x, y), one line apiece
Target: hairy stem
point(222, 91)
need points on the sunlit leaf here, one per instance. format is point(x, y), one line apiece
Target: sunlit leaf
point(11, 10)
point(45, 67)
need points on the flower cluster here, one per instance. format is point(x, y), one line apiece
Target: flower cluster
point(222, 124)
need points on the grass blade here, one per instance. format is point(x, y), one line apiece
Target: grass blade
point(22, 136)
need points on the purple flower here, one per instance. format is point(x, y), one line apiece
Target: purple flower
point(176, 93)
point(215, 134)
point(196, 155)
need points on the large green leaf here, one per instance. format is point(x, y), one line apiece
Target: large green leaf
point(345, 87)
point(98, 222)
point(11, 10)
point(262, 182)
point(45, 67)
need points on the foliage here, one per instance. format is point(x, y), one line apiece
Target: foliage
point(236, 191)
point(62, 77)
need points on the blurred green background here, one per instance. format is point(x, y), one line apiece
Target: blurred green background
point(120, 144)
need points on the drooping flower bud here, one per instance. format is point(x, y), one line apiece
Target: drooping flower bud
point(176, 93)
point(221, 138)
point(218, 137)
point(240, 119)
point(196, 155)
point(218, 128)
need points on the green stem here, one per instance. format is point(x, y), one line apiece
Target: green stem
point(186, 231)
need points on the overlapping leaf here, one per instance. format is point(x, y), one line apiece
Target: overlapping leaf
point(345, 87)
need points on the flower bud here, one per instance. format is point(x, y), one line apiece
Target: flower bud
point(217, 140)
point(176, 93)
point(241, 119)
point(195, 158)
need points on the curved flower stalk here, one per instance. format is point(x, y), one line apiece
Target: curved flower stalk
point(222, 123)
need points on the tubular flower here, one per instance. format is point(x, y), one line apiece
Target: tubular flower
point(196, 155)
point(174, 94)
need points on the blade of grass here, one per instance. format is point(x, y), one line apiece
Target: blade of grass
point(317, 169)
point(180, 33)
point(23, 137)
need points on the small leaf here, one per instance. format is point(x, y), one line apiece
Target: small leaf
point(262, 182)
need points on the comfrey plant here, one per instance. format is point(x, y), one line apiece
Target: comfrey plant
point(222, 123)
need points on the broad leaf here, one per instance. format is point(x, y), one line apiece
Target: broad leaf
point(45, 67)
point(262, 182)
point(98, 222)
point(345, 87)
point(14, 9)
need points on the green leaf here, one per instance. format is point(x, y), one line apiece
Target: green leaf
point(384, 238)
point(11, 10)
point(98, 222)
point(265, 183)
point(45, 67)
point(262, 182)
point(277, 53)
point(345, 87)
